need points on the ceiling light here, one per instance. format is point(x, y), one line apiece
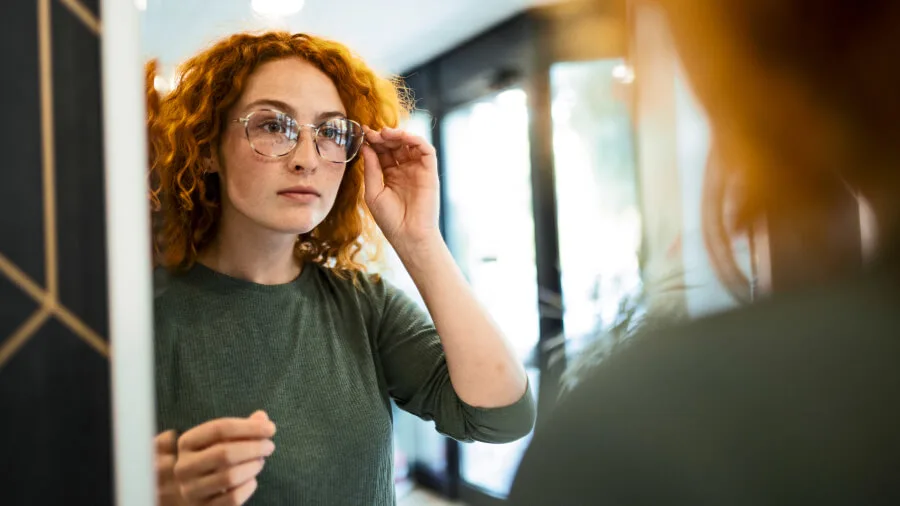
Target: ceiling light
point(141, 4)
point(276, 8)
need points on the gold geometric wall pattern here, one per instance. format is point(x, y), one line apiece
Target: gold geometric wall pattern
point(49, 305)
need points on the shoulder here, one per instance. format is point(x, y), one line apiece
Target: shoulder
point(844, 326)
point(168, 289)
point(356, 285)
point(367, 292)
point(380, 301)
point(360, 284)
point(645, 411)
point(178, 300)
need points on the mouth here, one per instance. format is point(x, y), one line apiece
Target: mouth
point(300, 193)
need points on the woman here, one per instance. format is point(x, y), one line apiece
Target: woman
point(268, 319)
point(792, 400)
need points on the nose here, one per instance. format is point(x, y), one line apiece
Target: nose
point(305, 157)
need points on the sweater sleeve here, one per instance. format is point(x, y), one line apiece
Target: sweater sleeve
point(415, 371)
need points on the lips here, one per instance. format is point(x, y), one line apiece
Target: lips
point(300, 190)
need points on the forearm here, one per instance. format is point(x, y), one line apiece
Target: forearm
point(484, 369)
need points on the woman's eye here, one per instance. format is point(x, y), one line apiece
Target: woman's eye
point(334, 134)
point(272, 127)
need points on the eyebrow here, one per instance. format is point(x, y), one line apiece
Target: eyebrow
point(322, 116)
point(284, 107)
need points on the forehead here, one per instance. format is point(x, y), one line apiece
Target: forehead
point(297, 83)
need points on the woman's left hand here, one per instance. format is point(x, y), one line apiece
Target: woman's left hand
point(402, 188)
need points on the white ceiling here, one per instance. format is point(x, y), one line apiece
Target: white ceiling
point(392, 35)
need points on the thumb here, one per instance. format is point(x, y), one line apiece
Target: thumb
point(374, 177)
point(260, 415)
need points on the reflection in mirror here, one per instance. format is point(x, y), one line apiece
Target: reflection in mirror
point(283, 164)
point(492, 236)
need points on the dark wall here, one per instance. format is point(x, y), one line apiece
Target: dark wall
point(55, 429)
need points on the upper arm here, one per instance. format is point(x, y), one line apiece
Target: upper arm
point(417, 378)
point(410, 352)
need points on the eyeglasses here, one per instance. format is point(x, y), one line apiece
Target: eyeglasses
point(274, 134)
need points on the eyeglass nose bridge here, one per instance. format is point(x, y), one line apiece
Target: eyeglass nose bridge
point(296, 138)
point(314, 129)
point(298, 134)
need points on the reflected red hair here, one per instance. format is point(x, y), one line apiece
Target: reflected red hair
point(185, 126)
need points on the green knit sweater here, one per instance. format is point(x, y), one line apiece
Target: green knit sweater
point(323, 358)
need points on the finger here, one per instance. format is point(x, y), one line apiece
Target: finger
point(392, 134)
point(166, 442)
point(225, 429)
point(377, 142)
point(236, 496)
point(407, 146)
point(374, 139)
point(387, 160)
point(374, 176)
point(165, 471)
point(403, 154)
point(191, 466)
point(170, 494)
point(373, 136)
point(385, 156)
point(416, 153)
point(392, 137)
point(260, 415)
point(398, 141)
point(166, 485)
point(418, 142)
point(223, 481)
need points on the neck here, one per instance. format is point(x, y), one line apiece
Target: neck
point(247, 251)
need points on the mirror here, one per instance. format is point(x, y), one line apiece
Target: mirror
point(309, 316)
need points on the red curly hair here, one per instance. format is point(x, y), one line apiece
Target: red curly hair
point(185, 126)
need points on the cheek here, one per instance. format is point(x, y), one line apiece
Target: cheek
point(330, 186)
point(332, 181)
point(245, 177)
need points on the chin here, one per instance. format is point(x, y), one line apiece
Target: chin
point(295, 222)
point(291, 230)
point(296, 227)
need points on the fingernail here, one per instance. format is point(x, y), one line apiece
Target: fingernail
point(269, 448)
point(259, 415)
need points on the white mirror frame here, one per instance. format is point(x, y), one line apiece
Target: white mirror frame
point(128, 254)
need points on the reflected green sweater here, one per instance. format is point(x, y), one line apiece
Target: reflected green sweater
point(323, 358)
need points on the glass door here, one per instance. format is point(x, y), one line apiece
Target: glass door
point(489, 226)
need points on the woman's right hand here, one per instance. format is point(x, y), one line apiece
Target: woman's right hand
point(215, 463)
